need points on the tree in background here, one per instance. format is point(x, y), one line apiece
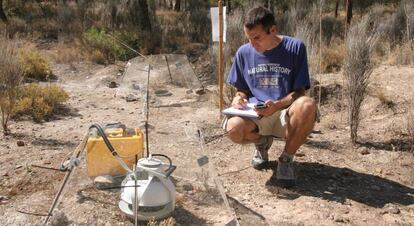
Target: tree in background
point(177, 5)
point(348, 4)
point(3, 16)
point(199, 23)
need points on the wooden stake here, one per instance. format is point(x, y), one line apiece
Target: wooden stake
point(320, 54)
point(343, 76)
point(220, 67)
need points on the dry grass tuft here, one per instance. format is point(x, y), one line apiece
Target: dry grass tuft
point(167, 222)
point(11, 76)
point(35, 66)
point(385, 101)
point(333, 57)
point(69, 52)
point(40, 102)
point(403, 54)
point(358, 67)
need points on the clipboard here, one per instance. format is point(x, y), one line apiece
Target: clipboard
point(247, 112)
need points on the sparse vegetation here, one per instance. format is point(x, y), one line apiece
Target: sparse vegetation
point(35, 66)
point(40, 102)
point(384, 99)
point(11, 76)
point(70, 52)
point(110, 48)
point(333, 56)
point(167, 222)
point(358, 67)
point(71, 33)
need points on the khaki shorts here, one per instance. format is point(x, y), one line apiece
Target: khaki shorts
point(274, 125)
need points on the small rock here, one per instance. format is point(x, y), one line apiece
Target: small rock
point(200, 91)
point(391, 208)
point(136, 86)
point(163, 93)
point(131, 98)
point(364, 151)
point(59, 219)
point(187, 187)
point(103, 181)
point(113, 84)
point(20, 143)
point(189, 91)
point(18, 167)
point(340, 219)
point(395, 210)
point(300, 154)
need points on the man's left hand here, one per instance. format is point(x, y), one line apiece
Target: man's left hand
point(271, 107)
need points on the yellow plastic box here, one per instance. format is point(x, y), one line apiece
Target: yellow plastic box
point(100, 161)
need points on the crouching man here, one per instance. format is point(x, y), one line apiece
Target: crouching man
point(271, 69)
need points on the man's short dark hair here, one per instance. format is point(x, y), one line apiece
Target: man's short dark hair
point(259, 16)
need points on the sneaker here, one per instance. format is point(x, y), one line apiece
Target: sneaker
point(285, 174)
point(260, 154)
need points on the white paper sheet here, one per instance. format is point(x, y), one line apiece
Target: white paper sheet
point(246, 112)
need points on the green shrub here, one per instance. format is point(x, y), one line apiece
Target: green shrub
point(112, 49)
point(40, 102)
point(34, 65)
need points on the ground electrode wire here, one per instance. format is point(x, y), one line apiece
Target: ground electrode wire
point(79, 149)
point(30, 213)
point(48, 168)
point(110, 147)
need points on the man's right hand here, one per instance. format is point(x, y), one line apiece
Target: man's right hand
point(239, 102)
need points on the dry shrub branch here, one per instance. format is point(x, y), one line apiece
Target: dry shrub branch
point(11, 76)
point(358, 67)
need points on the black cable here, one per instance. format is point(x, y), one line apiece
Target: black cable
point(105, 138)
point(169, 161)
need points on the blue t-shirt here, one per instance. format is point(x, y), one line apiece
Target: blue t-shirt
point(271, 75)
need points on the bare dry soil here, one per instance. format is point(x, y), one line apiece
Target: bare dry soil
point(371, 184)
